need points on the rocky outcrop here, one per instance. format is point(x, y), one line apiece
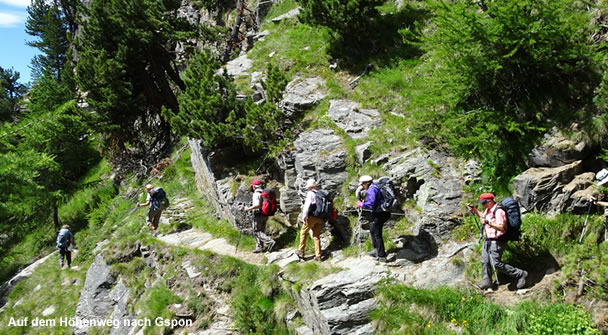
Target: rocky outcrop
point(301, 94)
point(435, 181)
point(320, 154)
point(340, 303)
point(554, 190)
point(557, 149)
point(354, 120)
point(102, 297)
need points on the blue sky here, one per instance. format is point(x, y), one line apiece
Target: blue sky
point(13, 51)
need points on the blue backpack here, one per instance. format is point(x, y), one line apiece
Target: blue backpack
point(62, 239)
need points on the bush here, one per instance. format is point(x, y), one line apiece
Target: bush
point(495, 74)
point(561, 319)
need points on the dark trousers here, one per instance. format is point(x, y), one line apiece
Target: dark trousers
point(64, 252)
point(259, 231)
point(375, 230)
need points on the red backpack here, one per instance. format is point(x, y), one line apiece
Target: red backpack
point(269, 202)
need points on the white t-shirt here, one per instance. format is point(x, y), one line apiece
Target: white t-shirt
point(256, 199)
point(311, 199)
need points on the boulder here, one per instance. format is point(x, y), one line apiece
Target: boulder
point(101, 296)
point(363, 153)
point(301, 94)
point(355, 121)
point(558, 149)
point(320, 154)
point(292, 13)
point(340, 303)
point(554, 190)
point(434, 180)
point(239, 66)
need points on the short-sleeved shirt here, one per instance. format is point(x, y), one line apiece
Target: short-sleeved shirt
point(256, 199)
point(497, 217)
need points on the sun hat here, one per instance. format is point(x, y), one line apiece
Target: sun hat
point(365, 179)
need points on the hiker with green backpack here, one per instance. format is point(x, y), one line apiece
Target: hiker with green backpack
point(495, 224)
point(158, 201)
point(316, 209)
point(263, 203)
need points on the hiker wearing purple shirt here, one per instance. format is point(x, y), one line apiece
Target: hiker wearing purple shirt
point(373, 200)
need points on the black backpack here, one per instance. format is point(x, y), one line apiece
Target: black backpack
point(385, 185)
point(159, 199)
point(323, 205)
point(511, 208)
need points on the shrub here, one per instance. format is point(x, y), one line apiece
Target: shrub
point(496, 73)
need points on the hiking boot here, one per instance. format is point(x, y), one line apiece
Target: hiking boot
point(270, 246)
point(300, 254)
point(318, 259)
point(521, 282)
point(373, 253)
point(381, 259)
point(257, 251)
point(485, 286)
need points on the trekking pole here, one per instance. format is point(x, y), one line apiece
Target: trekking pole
point(359, 231)
point(585, 224)
point(605, 228)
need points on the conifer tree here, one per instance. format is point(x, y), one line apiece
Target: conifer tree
point(10, 92)
point(127, 66)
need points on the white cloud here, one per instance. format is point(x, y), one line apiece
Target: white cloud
point(8, 20)
point(17, 3)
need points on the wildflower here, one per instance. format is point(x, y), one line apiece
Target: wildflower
point(428, 325)
point(470, 152)
point(463, 299)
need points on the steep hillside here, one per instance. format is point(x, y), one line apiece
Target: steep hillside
point(448, 99)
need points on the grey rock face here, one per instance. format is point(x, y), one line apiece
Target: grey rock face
point(290, 14)
point(434, 181)
point(301, 94)
point(239, 66)
point(100, 296)
point(554, 190)
point(320, 154)
point(363, 153)
point(349, 116)
point(557, 150)
point(340, 303)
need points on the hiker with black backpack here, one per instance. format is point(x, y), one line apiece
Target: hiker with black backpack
point(65, 243)
point(374, 201)
point(495, 225)
point(263, 203)
point(157, 200)
point(316, 209)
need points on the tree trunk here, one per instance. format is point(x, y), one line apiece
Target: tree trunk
point(234, 37)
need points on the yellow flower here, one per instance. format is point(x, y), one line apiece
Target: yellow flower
point(428, 325)
point(470, 152)
point(463, 299)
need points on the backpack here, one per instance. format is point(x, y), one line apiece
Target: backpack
point(511, 208)
point(323, 207)
point(62, 239)
point(385, 185)
point(159, 199)
point(269, 202)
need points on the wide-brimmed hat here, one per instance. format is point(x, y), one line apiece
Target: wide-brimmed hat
point(602, 177)
point(485, 197)
point(365, 179)
point(311, 183)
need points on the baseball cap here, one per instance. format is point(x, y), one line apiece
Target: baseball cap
point(485, 197)
point(256, 182)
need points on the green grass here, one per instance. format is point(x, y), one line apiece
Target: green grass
point(406, 310)
point(36, 299)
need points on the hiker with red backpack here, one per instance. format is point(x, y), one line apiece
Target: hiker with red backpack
point(374, 201)
point(495, 225)
point(317, 207)
point(263, 203)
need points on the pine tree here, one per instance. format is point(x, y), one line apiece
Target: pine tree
point(10, 92)
point(127, 67)
point(47, 24)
